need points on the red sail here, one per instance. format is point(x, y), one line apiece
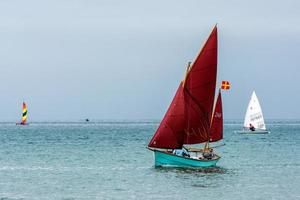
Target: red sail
point(195, 130)
point(187, 120)
point(170, 132)
point(216, 129)
point(200, 86)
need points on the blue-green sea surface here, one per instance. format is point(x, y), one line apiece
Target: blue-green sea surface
point(109, 160)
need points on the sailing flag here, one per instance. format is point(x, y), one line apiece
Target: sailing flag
point(225, 85)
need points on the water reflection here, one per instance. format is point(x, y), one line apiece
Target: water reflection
point(206, 170)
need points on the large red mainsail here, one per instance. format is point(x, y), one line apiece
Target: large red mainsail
point(187, 120)
point(200, 87)
point(216, 129)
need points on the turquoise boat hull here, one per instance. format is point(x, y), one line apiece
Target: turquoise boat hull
point(163, 158)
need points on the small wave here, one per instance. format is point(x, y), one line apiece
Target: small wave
point(9, 198)
point(84, 138)
point(38, 168)
point(200, 185)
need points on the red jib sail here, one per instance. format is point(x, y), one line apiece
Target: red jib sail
point(171, 129)
point(187, 120)
point(216, 129)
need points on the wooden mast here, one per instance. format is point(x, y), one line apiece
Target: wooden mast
point(186, 73)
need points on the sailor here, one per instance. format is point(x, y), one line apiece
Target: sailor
point(252, 128)
point(181, 152)
point(208, 154)
point(185, 153)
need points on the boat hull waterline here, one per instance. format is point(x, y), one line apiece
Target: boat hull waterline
point(22, 124)
point(171, 160)
point(253, 132)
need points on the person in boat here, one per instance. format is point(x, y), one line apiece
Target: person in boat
point(252, 128)
point(208, 154)
point(181, 152)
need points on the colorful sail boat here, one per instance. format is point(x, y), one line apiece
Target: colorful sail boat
point(254, 121)
point(24, 115)
point(191, 118)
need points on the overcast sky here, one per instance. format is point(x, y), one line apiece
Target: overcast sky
point(77, 59)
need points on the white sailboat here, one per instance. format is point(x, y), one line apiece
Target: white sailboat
point(254, 121)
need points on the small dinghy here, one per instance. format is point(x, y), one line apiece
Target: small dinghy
point(254, 121)
point(24, 115)
point(192, 117)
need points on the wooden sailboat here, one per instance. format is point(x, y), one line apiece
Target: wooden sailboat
point(254, 122)
point(24, 115)
point(191, 118)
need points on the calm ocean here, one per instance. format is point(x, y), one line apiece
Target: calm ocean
point(109, 160)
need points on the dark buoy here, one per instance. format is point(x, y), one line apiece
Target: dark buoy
point(87, 120)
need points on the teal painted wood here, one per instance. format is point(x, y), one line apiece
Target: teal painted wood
point(166, 159)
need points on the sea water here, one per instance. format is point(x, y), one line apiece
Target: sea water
point(109, 160)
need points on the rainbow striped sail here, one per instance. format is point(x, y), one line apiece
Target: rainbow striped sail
point(24, 115)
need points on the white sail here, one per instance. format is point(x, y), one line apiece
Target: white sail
point(254, 114)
